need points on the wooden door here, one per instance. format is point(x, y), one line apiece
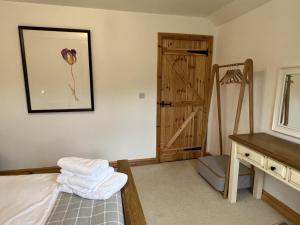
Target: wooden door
point(184, 92)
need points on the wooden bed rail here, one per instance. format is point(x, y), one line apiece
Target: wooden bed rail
point(52, 169)
point(133, 212)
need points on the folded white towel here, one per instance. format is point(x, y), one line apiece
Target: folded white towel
point(84, 181)
point(74, 188)
point(97, 175)
point(82, 166)
point(103, 191)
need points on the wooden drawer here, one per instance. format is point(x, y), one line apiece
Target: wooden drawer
point(250, 156)
point(276, 168)
point(295, 178)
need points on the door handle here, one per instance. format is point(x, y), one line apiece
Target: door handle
point(163, 104)
point(273, 168)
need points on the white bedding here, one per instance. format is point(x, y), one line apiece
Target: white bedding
point(27, 199)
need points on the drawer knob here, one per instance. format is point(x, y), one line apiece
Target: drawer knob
point(273, 168)
point(247, 154)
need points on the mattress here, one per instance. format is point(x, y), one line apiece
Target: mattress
point(27, 199)
point(35, 200)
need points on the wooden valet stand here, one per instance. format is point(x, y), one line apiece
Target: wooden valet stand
point(233, 75)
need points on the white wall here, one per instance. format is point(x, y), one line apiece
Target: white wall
point(270, 35)
point(124, 53)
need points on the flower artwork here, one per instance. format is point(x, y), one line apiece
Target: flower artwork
point(69, 55)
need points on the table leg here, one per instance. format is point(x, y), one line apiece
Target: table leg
point(258, 183)
point(234, 175)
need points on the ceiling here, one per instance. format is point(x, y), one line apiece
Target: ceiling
point(213, 9)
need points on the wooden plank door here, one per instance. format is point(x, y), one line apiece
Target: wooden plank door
point(184, 91)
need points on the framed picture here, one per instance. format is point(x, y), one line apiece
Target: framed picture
point(57, 69)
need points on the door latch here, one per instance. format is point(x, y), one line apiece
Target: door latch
point(164, 104)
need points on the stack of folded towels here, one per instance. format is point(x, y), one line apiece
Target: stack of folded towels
point(89, 178)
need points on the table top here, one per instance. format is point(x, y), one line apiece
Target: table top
point(279, 149)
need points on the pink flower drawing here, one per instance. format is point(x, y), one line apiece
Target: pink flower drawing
point(69, 55)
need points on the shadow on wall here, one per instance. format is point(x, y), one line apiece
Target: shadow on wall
point(229, 106)
point(259, 89)
point(45, 150)
point(229, 99)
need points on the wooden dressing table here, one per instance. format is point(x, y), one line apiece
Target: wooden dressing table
point(268, 154)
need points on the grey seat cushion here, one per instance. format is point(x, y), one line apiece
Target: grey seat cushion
point(213, 170)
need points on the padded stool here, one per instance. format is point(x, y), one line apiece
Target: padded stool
point(213, 170)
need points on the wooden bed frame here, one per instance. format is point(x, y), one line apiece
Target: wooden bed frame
point(133, 212)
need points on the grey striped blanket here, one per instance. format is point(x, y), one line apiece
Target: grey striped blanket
point(71, 209)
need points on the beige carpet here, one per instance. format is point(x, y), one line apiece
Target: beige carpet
point(174, 194)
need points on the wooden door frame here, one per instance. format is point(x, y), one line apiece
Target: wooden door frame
point(161, 36)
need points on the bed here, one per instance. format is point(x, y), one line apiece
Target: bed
point(46, 204)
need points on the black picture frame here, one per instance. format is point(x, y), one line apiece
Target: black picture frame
point(21, 30)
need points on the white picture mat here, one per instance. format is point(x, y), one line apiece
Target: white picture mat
point(49, 75)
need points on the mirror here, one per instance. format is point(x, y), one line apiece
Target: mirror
point(286, 118)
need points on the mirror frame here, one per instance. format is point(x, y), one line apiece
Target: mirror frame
point(276, 126)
